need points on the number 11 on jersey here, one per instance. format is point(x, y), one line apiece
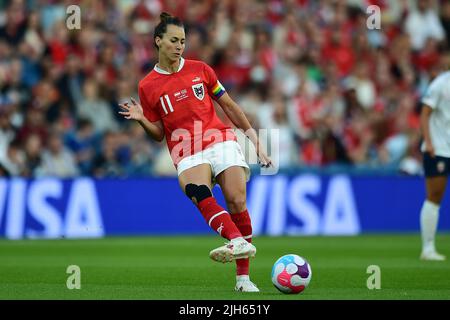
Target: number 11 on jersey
point(169, 104)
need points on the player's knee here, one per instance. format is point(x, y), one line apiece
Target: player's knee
point(435, 196)
point(236, 203)
point(197, 192)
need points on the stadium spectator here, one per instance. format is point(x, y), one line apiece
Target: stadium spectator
point(93, 107)
point(364, 87)
point(445, 19)
point(57, 160)
point(7, 132)
point(82, 141)
point(423, 23)
point(34, 124)
point(142, 152)
point(276, 117)
point(107, 163)
point(13, 31)
point(13, 162)
point(33, 157)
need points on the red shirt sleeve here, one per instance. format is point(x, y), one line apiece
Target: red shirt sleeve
point(215, 88)
point(149, 111)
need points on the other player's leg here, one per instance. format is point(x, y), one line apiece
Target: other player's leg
point(233, 184)
point(429, 216)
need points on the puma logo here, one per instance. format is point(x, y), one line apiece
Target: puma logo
point(219, 229)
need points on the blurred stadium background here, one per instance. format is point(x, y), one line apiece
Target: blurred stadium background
point(345, 99)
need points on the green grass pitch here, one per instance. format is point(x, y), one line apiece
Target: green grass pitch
point(179, 268)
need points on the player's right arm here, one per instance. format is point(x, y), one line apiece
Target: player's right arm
point(134, 111)
point(430, 102)
point(425, 126)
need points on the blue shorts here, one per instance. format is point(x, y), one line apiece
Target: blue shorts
point(437, 166)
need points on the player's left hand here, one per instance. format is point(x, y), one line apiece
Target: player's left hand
point(132, 111)
point(264, 160)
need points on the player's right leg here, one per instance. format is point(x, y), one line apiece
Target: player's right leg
point(196, 184)
point(232, 181)
point(429, 215)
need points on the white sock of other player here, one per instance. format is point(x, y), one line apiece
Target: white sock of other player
point(429, 217)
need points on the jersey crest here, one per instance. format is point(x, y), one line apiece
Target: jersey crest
point(199, 91)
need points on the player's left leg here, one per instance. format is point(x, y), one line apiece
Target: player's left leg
point(429, 216)
point(232, 181)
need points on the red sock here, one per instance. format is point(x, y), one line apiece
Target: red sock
point(218, 218)
point(244, 224)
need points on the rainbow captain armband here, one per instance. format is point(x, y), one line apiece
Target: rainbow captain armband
point(218, 90)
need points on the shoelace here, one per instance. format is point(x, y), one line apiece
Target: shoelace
point(229, 243)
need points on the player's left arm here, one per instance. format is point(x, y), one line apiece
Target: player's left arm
point(237, 116)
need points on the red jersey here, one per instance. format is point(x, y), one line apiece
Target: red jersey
point(182, 101)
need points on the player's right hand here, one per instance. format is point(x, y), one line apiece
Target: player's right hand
point(132, 111)
point(429, 149)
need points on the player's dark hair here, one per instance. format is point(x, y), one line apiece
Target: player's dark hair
point(161, 28)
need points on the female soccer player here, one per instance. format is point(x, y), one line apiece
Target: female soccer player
point(175, 103)
point(435, 122)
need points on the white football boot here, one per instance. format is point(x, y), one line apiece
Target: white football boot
point(237, 248)
point(243, 284)
point(432, 255)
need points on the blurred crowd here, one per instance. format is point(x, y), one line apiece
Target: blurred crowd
point(339, 92)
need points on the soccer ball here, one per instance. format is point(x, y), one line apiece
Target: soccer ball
point(291, 274)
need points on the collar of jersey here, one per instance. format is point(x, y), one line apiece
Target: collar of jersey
point(159, 70)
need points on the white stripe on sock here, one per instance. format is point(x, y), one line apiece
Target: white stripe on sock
point(247, 237)
point(215, 216)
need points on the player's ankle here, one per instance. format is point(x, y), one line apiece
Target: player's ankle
point(242, 277)
point(429, 247)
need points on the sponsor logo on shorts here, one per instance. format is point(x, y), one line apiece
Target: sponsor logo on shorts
point(441, 166)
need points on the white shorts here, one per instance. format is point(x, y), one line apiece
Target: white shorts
point(220, 157)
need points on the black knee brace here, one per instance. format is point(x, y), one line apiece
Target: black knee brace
point(198, 192)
